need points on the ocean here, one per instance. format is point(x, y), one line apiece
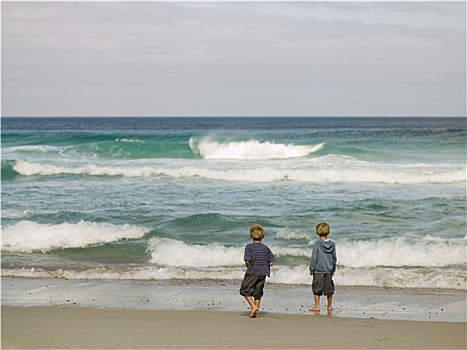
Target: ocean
point(174, 198)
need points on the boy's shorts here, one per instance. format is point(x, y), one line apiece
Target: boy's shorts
point(252, 286)
point(322, 284)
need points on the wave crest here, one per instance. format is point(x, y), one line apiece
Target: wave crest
point(402, 252)
point(28, 236)
point(250, 150)
point(393, 253)
point(325, 169)
point(298, 275)
point(173, 253)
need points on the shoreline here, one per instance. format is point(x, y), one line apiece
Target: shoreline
point(418, 304)
point(202, 314)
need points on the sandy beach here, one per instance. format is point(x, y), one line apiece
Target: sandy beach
point(85, 328)
point(73, 314)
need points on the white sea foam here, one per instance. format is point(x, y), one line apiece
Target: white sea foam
point(129, 140)
point(399, 252)
point(32, 148)
point(169, 252)
point(28, 236)
point(250, 150)
point(402, 252)
point(15, 214)
point(288, 234)
point(376, 277)
point(326, 169)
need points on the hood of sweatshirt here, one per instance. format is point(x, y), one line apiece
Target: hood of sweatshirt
point(326, 246)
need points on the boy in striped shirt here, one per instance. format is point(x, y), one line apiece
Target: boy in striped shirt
point(258, 260)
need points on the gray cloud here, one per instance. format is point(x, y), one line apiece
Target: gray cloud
point(233, 58)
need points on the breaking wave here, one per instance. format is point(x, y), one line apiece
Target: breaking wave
point(325, 169)
point(28, 236)
point(250, 150)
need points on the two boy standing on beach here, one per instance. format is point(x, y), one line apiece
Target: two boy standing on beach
point(259, 259)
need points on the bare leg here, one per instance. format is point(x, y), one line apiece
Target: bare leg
point(316, 308)
point(329, 304)
point(253, 307)
point(257, 302)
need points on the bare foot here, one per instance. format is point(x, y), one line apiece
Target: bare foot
point(314, 309)
point(253, 312)
point(329, 311)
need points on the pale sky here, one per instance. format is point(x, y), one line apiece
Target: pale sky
point(262, 58)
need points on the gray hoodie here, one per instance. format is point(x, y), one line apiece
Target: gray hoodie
point(323, 257)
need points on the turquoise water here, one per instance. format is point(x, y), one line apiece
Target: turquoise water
point(173, 198)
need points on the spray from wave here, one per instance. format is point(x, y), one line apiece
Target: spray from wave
point(250, 150)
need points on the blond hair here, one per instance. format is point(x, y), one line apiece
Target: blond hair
point(322, 229)
point(257, 232)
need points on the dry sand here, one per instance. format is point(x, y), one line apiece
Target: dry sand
point(89, 328)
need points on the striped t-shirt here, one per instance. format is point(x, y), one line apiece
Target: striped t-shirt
point(259, 256)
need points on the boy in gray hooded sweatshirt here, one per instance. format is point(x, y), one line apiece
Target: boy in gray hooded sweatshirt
point(323, 266)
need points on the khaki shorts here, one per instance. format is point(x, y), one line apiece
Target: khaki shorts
point(322, 284)
point(252, 286)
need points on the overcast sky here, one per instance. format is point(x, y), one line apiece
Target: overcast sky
point(234, 58)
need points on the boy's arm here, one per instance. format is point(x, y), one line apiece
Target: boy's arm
point(271, 257)
point(247, 256)
point(334, 262)
point(314, 259)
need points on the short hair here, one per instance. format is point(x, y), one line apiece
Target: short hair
point(322, 229)
point(257, 232)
